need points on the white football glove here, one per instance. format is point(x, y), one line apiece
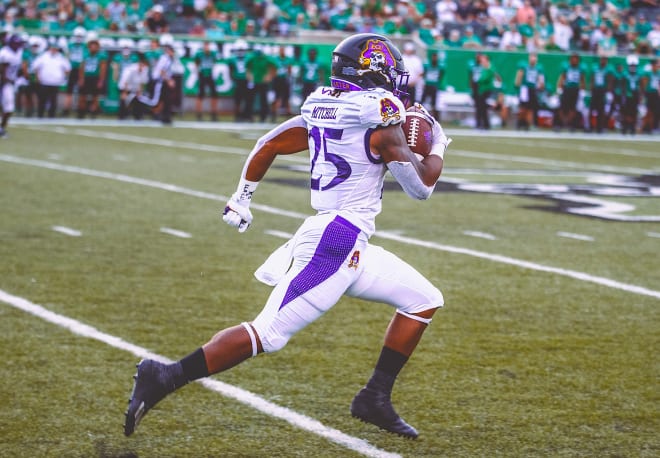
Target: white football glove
point(237, 214)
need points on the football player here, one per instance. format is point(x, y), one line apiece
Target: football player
point(11, 59)
point(352, 130)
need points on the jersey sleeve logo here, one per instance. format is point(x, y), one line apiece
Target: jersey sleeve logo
point(355, 260)
point(389, 111)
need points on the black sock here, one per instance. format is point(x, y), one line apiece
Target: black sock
point(387, 369)
point(194, 365)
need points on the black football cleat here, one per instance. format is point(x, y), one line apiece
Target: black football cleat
point(152, 383)
point(376, 408)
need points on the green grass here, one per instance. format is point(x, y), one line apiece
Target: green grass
point(519, 363)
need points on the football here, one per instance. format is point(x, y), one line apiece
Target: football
point(418, 131)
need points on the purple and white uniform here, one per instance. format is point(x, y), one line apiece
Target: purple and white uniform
point(331, 251)
point(12, 60)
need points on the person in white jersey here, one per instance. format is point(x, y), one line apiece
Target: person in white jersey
point(352, 130)
point(11, 58)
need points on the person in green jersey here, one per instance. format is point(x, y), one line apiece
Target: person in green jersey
point(282, 84)
point(93, 71)
point(434, 73)
point(631, 92)
point(239, 79)
point(205, 60)
point(617, 98)
point(571, 83)
point(260, 72)
point(652, 93)
point(474, 70)
point(485, 86)
point(311, 73)
point(601, 85)
point(76, 51)
point(530, 80)
point(28, 92)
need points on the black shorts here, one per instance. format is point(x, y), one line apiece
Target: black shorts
point(282, 88)
point(91, 86)
point(569, 98)
point(206, 81)
point(532, 102)
point(72, 82)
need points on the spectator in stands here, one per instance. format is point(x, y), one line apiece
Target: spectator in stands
point(570, 87)
point(92, 77)
point(238, 72)
point(311, 73)
point(94, 20)
point(115, 10)
point(205, 60)
point(427, 33)
point(601, 83)
point(525, 13)
point(511, 39)
point(544, 30)
point(133, 17)
point(530, 82)
point(282, 84)
point(434, 73)
point(653, 36)
point(485, 87)
point(497, 12)
point(454, 40)
point(493, 33)
point(415, 67)
point(51, 69)
point(563, 33)
point(606, 45)
point(156, 21)
point(470, 40)
point(445, 11)
point(464, 13)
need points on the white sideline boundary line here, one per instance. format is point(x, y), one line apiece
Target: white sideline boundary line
point(243, 396)
point(382, 234)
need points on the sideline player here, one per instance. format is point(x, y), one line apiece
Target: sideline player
point(353, 134)
point(530, 80)
point(11, 59)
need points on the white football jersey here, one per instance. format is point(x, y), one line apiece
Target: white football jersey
point(346, 177)
point(13, 60)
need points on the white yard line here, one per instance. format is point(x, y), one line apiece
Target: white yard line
point(653, 234)
point(243, 396)
point(570, 235)
point(382, 234)
point(67, 231)
point(280, 234)
point(175, 232)
point(482, 235)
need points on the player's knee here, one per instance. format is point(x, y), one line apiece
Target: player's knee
point(271, 340)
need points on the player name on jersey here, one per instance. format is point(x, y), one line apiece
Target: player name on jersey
point(324, 113)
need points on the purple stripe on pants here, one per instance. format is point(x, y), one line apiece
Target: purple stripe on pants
point(335, 245)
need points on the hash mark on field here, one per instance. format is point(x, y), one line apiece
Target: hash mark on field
point(243, 396)
point(581, 276)
point(121, 158)
point(280, 234)
point(175, 233)
point(67, 231)
point(54, 157)
point(653, 234)
point(570, 235)
point(482, 235)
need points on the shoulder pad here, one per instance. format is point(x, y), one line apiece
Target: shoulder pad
point(381, 108)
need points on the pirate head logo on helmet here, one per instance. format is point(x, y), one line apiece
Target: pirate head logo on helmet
point(366, 61)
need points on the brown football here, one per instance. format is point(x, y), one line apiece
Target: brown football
point(418, 131)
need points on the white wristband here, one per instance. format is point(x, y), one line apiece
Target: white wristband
point(245, 190)
point(440, 147)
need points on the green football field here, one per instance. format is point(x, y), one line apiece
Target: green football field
point(545, 246)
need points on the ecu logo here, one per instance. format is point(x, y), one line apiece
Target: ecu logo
point(355, 260)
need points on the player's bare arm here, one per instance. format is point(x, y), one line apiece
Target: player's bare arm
point(390, 143)
point(290, 137)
